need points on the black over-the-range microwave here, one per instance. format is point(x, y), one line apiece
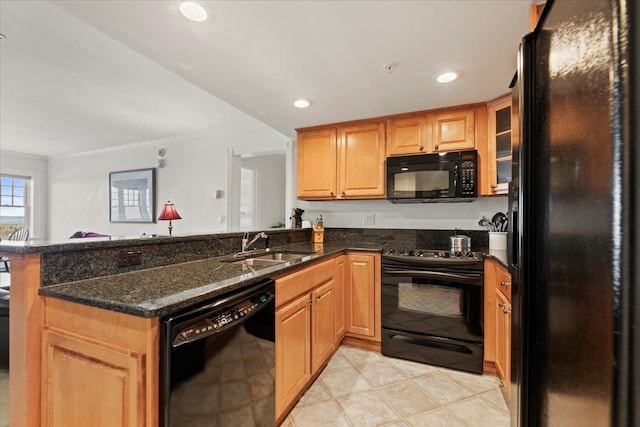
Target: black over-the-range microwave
point(450, 176)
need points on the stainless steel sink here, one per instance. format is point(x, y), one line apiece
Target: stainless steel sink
point(267, 259)
point(282, 256)
point(258, 263)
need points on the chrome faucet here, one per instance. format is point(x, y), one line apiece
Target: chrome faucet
point(246, 243)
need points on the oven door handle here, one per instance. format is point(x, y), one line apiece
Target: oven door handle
point(471, 279)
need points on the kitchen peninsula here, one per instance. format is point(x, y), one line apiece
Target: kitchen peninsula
point(72, 305)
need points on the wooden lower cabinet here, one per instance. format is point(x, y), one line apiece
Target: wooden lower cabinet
point(305, 330)
point(363, 296)
point(503, 339)
point(323, 309)
point(497, 321)
point(99, 367)
point(90, 383)
point(339, 289)
point(293, 351)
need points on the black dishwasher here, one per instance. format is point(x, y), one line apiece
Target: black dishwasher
point(218, 361)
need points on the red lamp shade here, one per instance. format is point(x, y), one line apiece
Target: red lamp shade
point(169, 212)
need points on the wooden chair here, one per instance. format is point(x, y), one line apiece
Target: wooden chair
point(19, 235)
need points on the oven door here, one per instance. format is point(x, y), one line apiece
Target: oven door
point(443, 302)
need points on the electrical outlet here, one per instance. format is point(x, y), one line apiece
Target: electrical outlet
point(368, 219)
point(129, 258)
point(221, 219)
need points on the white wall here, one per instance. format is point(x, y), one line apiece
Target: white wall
point(194, 168)
point(36, 168)
point(435, 216)
point(270, 188)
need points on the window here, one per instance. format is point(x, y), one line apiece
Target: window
point(13, 203)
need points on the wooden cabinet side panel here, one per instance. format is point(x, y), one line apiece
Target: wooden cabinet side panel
point(489, 326)
point(25, 329)
point(322, 325)
point(361, 158)
point(122, 331)
point(339, 290)
point(90, 383)
point(293, 351)
point(317, 164)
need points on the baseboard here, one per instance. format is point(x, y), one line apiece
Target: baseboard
point(361, 343)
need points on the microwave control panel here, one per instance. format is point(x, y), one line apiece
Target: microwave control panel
point(468, 179)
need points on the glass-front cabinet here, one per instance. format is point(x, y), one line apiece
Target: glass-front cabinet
point(500, 135)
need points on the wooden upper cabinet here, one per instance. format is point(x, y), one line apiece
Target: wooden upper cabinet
point(499, 141)
point(454, 131)
point(317, 164)
point(534, 14)
point(409, 135)
point(361, 157)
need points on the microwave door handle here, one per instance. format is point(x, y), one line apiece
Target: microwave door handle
point(418, 274)
point(455, 180)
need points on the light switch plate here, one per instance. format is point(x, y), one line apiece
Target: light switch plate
point(368, 219)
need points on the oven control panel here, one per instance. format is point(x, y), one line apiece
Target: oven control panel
point(221, 320)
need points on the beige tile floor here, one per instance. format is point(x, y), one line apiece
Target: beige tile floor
point(364, 388)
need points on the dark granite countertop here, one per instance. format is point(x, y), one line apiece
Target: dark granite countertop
point(74, 245)
point(163, 290)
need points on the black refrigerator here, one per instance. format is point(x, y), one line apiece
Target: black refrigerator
point(574, 231)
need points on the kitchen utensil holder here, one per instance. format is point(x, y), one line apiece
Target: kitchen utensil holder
point(498, 240)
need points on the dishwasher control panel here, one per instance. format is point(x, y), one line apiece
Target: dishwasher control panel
point(219, 321)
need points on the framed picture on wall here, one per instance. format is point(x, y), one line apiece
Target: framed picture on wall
point(132, 196)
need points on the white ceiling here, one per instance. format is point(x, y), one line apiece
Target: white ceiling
point(79, 76)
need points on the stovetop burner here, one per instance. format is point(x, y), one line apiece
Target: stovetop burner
point(427, 253)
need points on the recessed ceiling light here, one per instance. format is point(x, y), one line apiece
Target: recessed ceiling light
point(301, 103)
point(447, 77)
point(193, 11)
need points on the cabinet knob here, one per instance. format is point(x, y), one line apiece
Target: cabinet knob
point(504, 283)
point(506, 311)
point(493, 186)
point(331, 194)
point(318, 296)
point(421, 147)
point(343, 193)
point(437, 146)
point(310, 301)
point(500, 304)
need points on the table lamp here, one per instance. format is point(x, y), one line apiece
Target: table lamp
point(170, 213)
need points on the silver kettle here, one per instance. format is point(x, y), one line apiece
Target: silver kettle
point(460, 243)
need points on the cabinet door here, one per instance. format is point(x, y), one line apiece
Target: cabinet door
point(503, 338)
point(361, 157)
point(339, 290)
point(71, 368)
point(323, 313)
point(409, 136)
point(293, 350)
point(499, 147)
point(317, 164)
point(454, 131)
point(363, 296)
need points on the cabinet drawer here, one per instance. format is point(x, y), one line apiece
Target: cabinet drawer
point(289, 287)
point(503, 281)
